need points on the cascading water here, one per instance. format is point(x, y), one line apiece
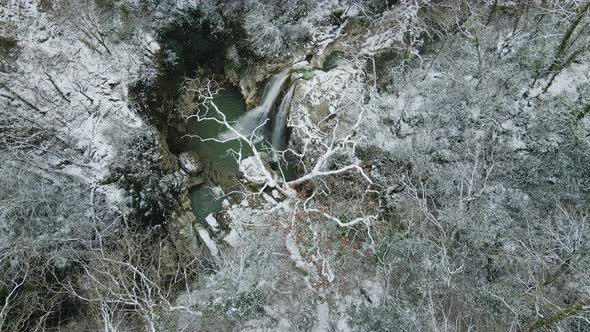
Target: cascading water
point(256, 117)
point(279, 141)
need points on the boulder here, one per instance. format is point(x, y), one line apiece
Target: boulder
point(189, 162)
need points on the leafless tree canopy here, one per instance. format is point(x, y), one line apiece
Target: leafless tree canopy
point(434, 173)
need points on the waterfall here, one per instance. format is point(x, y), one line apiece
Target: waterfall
point(279, 140)
point(254, 118)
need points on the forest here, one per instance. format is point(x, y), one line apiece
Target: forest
point(294, 165)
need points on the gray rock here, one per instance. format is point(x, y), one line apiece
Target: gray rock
point(189, 162)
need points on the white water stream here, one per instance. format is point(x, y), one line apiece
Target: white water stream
point(251, 121)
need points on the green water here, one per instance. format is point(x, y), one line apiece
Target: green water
point(204, 201)
point(220, 166)
point(218, 161)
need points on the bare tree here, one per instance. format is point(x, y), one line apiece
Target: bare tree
point(321, 147)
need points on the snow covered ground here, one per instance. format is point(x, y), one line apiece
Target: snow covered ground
point(71, 77)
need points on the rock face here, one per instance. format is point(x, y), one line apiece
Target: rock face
point(186, 220)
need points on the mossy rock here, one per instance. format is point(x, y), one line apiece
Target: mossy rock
point(7, 43)
point(105, 4)
point(46, 5)
point(307, 75)
point(244, 306)
point(332, 59)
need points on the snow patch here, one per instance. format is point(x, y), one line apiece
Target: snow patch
point(232, 238)
point(204, 235)
point(212, 222)
point(323, 322)
point(569, 80)
point(82, 91)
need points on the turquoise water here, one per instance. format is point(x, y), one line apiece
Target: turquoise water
point(220, 166)
point(219, 163)
point(204, 201)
